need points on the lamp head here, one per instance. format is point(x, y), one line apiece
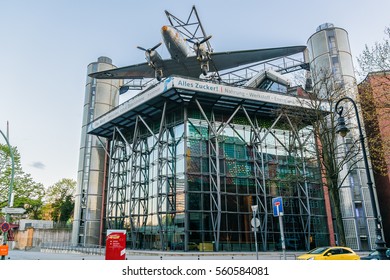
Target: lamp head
point(341, 129)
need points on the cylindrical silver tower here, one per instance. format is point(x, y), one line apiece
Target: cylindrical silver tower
point(330, 58)
point(100, 97)
point(333, 77)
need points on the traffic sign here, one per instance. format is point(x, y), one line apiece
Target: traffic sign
point(5, 227)
point(255, 222)
point(277, 206)
point(8, 210)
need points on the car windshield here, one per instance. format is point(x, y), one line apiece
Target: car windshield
point(318, 250)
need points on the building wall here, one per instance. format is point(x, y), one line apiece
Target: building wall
point(32, 237)
point(374, 94)
point(41, 224)
point(186, 188)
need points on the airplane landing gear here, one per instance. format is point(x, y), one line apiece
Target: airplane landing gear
point(159, 75)
point(205, 69)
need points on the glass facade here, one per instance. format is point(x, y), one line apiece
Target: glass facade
point(187, 181)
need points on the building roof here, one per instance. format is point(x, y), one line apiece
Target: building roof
point(181, 90)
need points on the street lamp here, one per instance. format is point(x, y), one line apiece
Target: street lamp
point(342, 129)
point(7, 217)
point(255, 224)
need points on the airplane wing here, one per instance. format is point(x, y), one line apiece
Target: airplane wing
point(190, 67)
point(136, 71)
point(226, 60)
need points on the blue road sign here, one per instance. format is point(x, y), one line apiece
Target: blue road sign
point(277, 206)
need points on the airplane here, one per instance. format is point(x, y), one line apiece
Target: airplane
point(190, 62)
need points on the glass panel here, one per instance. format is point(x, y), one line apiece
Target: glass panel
point(342, 40)
point(346, 64)
point(318, 44)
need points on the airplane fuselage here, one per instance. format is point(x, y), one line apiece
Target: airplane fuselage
point(176, 44)
point(191, 61)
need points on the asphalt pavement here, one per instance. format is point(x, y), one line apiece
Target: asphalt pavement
point(47, 254)
point(148, 255)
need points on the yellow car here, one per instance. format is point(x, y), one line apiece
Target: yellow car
point(330, 253)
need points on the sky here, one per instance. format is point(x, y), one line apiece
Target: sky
point(46, 46)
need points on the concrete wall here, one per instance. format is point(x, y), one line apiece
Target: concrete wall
point(30, 237)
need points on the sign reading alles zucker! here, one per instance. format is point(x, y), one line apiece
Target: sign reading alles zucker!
point(236, 92)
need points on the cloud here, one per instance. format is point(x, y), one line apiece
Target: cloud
point(38, 165)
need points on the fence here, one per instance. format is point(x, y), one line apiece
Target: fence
point(66, 247)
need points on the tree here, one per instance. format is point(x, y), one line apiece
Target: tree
point(5, 174)
point(374, 93)
point(28, 193)
point(336, 156)
point(61, 198)
point(375, 58)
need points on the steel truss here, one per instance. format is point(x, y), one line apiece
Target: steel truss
point(258, 162)
point(256, 144)
point(192, 28)
point(166, 186)
point(118, 182)
point(128, 198)
point(139, 180)
point(303, 191)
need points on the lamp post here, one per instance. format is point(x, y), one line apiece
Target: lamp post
point(255, 224)
point(7, 217)
point(342, 129)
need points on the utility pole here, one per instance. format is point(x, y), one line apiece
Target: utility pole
point(10, 189)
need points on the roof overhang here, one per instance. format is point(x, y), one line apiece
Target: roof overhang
point(182, 90)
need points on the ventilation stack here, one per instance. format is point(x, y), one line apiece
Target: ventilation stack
point(100, 97)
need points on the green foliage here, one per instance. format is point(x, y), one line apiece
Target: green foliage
point(31, 195)
point(28, 193)
point(60, 196)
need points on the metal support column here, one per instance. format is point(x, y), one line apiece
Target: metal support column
point(166, 186)
point(258, 162)
point(303, 192)
point(215, 170)
point(118, 184)
point(139, 180)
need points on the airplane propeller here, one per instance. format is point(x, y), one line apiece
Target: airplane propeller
point(148, 52)
point(151, 49)
point(197, 45)
point(154, 59)
point(204, 40)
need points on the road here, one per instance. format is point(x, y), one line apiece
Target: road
point(25, 264)
point(147, 255)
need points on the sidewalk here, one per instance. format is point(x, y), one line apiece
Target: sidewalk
point(46, 254)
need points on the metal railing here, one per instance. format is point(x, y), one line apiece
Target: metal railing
point(63, 247)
